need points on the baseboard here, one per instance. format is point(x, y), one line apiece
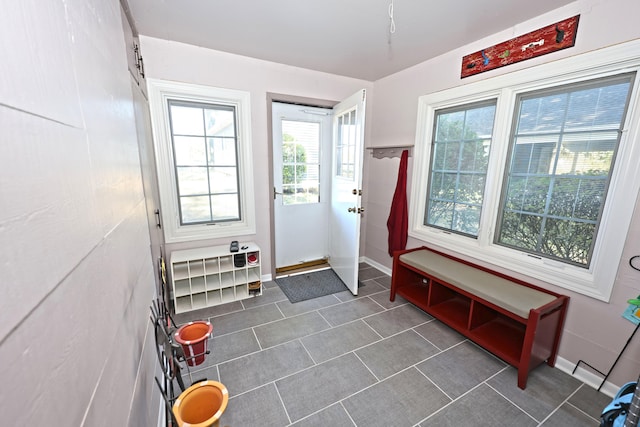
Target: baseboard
point(587, 377)
point(376, 264)
point(162, 422)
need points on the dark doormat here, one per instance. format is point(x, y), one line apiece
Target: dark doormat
point(301, 287)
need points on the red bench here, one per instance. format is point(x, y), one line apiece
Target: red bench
point(518, 322)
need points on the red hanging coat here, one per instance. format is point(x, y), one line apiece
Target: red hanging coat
point(398, 222)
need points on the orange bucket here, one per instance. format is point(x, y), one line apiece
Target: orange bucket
point(201, 405)
point(193, 338)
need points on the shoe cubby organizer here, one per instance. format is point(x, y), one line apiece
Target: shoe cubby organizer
point(210, 276)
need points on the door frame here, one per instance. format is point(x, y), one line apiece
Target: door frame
point(292, 220)
point(279, 97)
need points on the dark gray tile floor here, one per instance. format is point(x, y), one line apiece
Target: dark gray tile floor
point(341, 360)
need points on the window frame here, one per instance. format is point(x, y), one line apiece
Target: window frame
point(160, 92)
point(464, 107)
point(590, 83)
point(597, 281)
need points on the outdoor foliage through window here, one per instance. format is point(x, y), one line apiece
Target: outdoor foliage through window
point(300, 162)
point(561, 158)
point(345, 151)
point(459, 160)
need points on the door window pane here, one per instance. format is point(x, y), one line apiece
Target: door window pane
point(561, 158)
point(346, 145)
point(300, 162)
point(459, 161)
point(205, 160)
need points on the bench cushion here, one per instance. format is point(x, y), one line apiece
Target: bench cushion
point(504, 293)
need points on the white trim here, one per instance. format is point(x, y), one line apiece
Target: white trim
point(587, 377)
point(160, 91)
point(598, 280)
point(162, 415)
point(376, 264)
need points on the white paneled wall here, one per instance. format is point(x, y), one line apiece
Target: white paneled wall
point(38, 72)
point(76, 276)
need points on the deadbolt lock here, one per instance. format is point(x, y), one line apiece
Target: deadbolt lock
point(360, 210)
point(356, 192)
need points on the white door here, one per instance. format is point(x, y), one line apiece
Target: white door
point(302, 170)
point(346, 188)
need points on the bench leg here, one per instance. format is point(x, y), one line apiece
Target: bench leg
point(523, 374)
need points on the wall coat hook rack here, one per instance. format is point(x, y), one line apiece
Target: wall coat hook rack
point(390, 151)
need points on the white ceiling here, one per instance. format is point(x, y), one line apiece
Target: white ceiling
point(344, 37)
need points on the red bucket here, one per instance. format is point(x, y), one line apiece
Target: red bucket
point(193, 338)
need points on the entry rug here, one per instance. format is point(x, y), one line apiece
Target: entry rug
point(301, 287)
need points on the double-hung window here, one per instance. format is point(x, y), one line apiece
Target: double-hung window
point(205, 142)
point(536, 171)
point(203, 152)
point(458, 170)
point(562, 154)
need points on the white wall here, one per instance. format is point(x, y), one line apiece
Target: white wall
point(594, 331)
point(180, 62)
point(76, 275)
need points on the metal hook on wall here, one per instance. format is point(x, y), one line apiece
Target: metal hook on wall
point(634, 259)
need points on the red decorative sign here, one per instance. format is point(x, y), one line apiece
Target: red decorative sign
point(558, 36)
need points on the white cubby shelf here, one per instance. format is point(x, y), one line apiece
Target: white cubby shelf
point(205, 277)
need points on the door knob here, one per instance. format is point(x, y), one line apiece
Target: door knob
point(351, 210)
point(360, 210)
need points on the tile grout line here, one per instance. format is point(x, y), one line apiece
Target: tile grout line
point(331, 327)
point(378, 381)
point(284, 407)
point(344, 408)
point(512, 402)
point(401, 371)
point(566, 401)
point(451, 400)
